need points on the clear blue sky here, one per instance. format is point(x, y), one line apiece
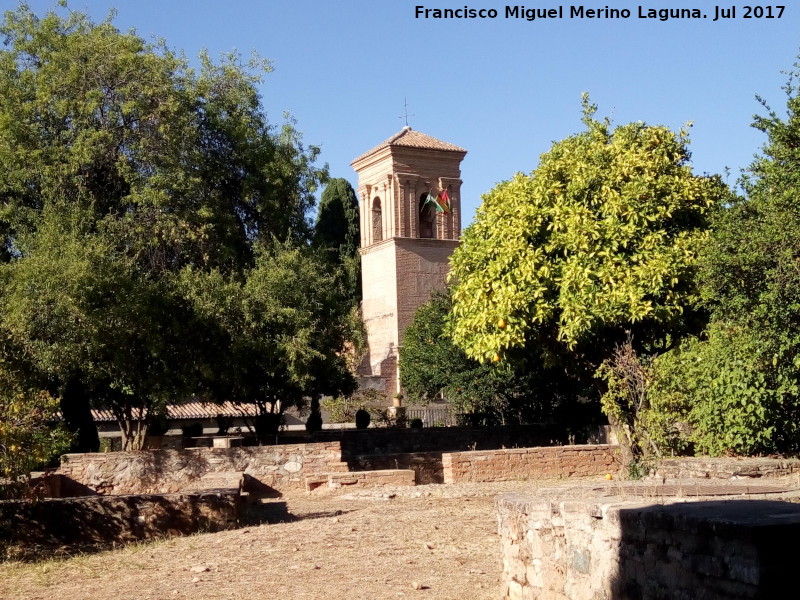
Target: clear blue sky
point(504, 89)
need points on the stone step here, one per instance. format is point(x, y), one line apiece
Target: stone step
point(381, 477)
point(226, 480)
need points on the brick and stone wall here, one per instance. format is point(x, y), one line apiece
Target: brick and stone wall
point(360, 479)
point(530, 463)
point(96, 521)
point(726, 468)
point(585, 549)
point(281, 467)
point(285, 467)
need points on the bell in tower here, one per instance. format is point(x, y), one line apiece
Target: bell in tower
point(409, 190)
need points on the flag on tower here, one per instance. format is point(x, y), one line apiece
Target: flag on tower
point(445, 202)
point(434, 201)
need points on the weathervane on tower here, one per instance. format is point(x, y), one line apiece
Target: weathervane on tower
point(405, 105)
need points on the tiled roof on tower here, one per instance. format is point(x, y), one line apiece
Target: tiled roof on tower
point(412, 139)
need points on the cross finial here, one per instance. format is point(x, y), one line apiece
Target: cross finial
point(405, 105)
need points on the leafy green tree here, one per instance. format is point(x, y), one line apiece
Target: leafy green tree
point(29, 434)
point(431, 365)
point(603, 234)
point(749, 269)
point(280, 331)
point(112, 188)
point(95, 326)
point(599, 243)
point(725, 393)
point(738, 387)
point(337, 239)
point(528, 392)
point(337, 227)
point(182, 164)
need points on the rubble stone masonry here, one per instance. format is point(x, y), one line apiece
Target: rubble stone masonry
point(592, 548)
point(99, 521)
point(283, 467)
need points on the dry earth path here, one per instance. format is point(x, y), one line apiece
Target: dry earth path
point(432, 541)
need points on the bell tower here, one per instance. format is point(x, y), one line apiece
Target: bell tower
point(409, 190)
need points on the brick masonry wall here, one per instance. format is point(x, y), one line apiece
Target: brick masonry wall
point(530, 463)
point(586, 549)
point(97, 521)
point(281, 467)
point(422, 266)
point(725, 468)
point(379, 305)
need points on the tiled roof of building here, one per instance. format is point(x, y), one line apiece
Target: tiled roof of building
point(412, 139)
point(193, 410)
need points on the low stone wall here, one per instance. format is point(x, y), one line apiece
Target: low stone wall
point(726, 468)
point(96, 521)
point(582, 544)
point(530, 463)
point(165, 471)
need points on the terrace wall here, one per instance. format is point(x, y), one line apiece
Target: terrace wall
point(97, 521)
point(530, 463)
point(279, 468)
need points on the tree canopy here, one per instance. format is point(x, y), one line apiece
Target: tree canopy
point(337, 233)
point(154, 224)
point(28, 437)
point(430, 364)
point(602, 237)
point(182, 165)
point(737, 386)
point(278, 332)
point(337, 226)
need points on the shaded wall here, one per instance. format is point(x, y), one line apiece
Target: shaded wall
point(356, 442)
point(725, 468)
point(98, 521)
point(704, 550)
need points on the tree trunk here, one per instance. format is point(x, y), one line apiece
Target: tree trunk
point(626, 445)
point(133, 430)
point(77, 415)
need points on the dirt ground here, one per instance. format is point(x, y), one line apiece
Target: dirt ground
point(432, 541)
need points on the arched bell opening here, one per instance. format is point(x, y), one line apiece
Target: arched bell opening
point(377, 220)
point(427, 218)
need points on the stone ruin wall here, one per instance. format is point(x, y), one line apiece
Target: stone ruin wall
point(727, 468)
point(93, 522)
point(282, 468)
point(287, 467)
point(530, 463)
point(569, 545)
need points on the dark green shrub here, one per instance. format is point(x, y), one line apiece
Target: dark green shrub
point(158, 426)
point(223, 424)
point(267, 426)
point(192, 430)
point(729, 394)
point(362, 419)
point(314, 422)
